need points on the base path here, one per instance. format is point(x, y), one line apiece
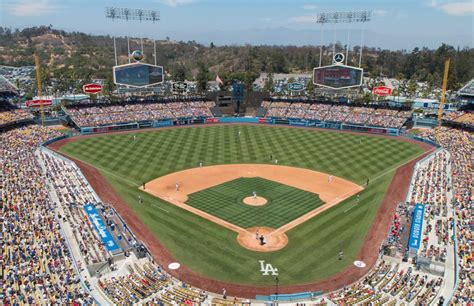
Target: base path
point(175, 188)
point(329, 188)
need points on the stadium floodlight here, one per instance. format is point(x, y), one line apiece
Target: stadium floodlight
point(349, 17)
point(128, 14)
point(344, 17)
point(131, 14)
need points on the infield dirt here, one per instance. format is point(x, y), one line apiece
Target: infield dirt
point(175, 188)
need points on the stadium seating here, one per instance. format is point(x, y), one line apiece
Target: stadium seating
point(72, 192)
point(461, 117)
point(9, 116)
point(389, 284)
point(337, 113)
point(147, 282)
point(459, 143)
point(37, 267)
point(430, 189)
point(124, 113)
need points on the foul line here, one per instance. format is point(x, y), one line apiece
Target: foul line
point(109, 172)
point(400, 165)
point(135, 184)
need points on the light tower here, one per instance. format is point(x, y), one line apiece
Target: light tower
point(350, 17)
point(128, 14)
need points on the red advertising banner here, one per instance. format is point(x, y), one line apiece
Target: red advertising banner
point(37, 103)
point(382, 91)
point(212, 120)
point(92, 88)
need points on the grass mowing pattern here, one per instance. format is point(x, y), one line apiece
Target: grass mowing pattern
point(285, 203)
point(210, 249)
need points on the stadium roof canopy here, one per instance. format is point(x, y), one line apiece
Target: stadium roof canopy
point(467, 90)
point(6, 87)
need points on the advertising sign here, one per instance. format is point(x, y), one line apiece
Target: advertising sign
point(295, 86)
point(382, 91)
point(92, 88)
point(416, 226)
point(101, 229)
point(180, 86)
point(38, 102)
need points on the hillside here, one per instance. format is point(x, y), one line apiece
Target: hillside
point(73, 55)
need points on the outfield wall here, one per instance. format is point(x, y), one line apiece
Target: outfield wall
point(262, 120)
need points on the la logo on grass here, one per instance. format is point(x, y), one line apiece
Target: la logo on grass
point(266, 269)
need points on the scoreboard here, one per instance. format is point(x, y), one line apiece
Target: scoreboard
point(138, 75)
point(337, 76)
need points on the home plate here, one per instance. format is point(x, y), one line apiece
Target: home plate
point(359, 264)
point(174, 266)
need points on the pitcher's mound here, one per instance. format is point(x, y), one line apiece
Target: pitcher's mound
point(275, 240)
point(255, 201)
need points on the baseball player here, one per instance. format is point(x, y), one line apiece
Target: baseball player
point(177, 186)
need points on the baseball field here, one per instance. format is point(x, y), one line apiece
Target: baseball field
point(189, 222)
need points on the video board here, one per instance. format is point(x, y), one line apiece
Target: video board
point(138, 75)
point(337, 76)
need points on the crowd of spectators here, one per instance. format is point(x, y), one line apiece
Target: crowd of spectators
point(460, 117)
point(147, 281)
point(37, 267)
point(430, 188)
point(389, 284)
point(136, 112)
point(337, 113)
point(72, 192)
point(10, 116)
point(460, 144)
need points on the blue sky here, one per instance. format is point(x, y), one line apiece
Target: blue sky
point(401, 24)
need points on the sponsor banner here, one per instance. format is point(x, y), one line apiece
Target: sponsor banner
point(416, 226)
point(382, 91)
point(262, 120)
point(38, 103)
point(180, 86)
point(102, 230)
point(296, 86)
point(92, 88)
point(163, 123)
point(297, 122)
point(212, 120)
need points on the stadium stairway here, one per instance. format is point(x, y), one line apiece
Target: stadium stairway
point(261, 112)
point(216, 111)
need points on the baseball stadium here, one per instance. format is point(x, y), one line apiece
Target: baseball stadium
point(162, 193)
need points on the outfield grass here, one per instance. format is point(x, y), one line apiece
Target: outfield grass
point(285, 203)
point(212, 250)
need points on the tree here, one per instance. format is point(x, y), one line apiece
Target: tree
point(269, 86)
point(202, 77)
point(310, 88)
point(412, 87)
point(180, 73)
